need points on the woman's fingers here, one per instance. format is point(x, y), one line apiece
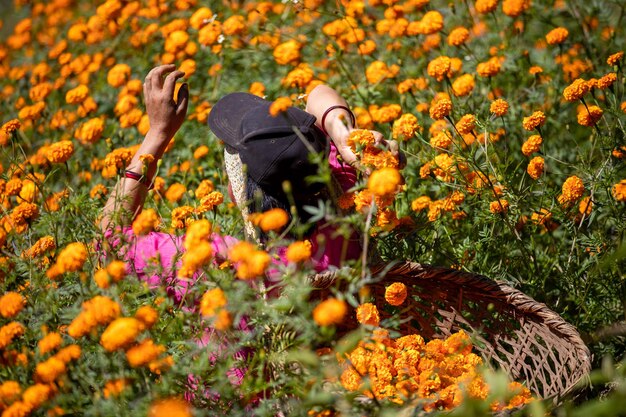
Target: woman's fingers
point(155, 76)
point(182, 100)
point(170, 81)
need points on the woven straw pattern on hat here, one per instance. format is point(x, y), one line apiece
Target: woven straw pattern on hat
point(237, 178)
point(511, 331)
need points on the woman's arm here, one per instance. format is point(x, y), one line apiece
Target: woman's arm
point(165, 116)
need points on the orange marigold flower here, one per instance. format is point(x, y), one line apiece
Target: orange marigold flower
point(576, 90)
point(299, 251)
point(147, 315)
point(90, 131)
point(11, 126)
point(35, 395)
point(378, 71)
point(181, 216)
point(299, 77)
point(499, 206)
point(250, 262)
point(210, 201)
point(385, 114)
point(143, 353)
point(606, 81)
point(9, 392)
point(499, 107)
point(368, 314)
point(463, 85)
point(49, 370)
point(120, 333)
point(405, 127)
point(10, 331)
point(11, 303)
point(212, 302)
point(280, 105)
point(170, 407)
point(384, 182)
point(485, 6)
point(330, 311)
point(440, 109)
point(535, 69)
point(145, 222)
point(466, 124)
point(114, 387)
point(272, 220)
point(557, 36)
point(118, 75)
point(619, 191)
point(458, 36)
point(535, 167)
point(534, 121)
point(586, 206)
point(514, 8)
point(175, 192)
point(360, 138)
point(489, 68)
point(532, 145)
point(439, 68)
point(77, 95)
point(205, 187)
point(287, 52)
point(72, 257)
point(396, 293)
point(420, 203)
point(98, 310)
point(615, 58)
point(60, 152)
point(49, 342)
point(116, 270)
point(589, 116)
point(572, 189)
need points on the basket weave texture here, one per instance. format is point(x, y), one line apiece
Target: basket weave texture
point(510, 330)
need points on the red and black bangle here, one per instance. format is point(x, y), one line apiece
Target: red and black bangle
point(331, 108)
point(140, 178)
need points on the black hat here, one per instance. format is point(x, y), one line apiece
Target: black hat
point(268, 145)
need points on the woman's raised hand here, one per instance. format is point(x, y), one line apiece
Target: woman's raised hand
point(165, 115)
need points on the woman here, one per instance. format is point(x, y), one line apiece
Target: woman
point(261, 152)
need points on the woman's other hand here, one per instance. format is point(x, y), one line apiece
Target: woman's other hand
point(165, 115)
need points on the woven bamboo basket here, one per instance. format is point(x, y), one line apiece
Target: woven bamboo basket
point(510, 330)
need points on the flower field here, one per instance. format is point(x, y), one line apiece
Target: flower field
point(510, 115)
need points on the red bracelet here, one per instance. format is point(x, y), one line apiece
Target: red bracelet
point(331, 108)
point(140, 178)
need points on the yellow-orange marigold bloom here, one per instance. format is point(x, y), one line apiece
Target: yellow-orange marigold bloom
point(299, 251)
point(114, 387)
point(535, 167)
point(49, 370)
point(572, 189)
point(11, 303)
point(586, 206)
point(606, 80)
point(463, 85)
point(615, 58)
point(420, 203)
point(499, 206)
point(287, 52)
point(60, 152)
point(534, 121)
point(210, 201)
point(466, 124)
point(458, 36)
point(49, 342)
point(11, 126)
point(485, 6)
point(489, 68)
point(98, 310)
point(396, 293)
point(273, 220)
point(439, 68)
point(9, 391)
point(499, 107)
point(440, 109)
point(145, 222)
point(10, 331)
point(368, 314)
point(147, 315)
point(384, 182)
point(576, 90)
point(90, 131)
point(120, 333)
point(532, 145)
point(257, 88)
point(619, 191)
point(250, 262)
point(69, 353)
point(212, 301)
point(590, 116)
point(143, 353)
point(200, 17)
point(557, 36)
point(175, 192)
point(170, 407)
point(359, 138)
point(35, 395)
point(72, 257)
point(116, 270)
point(330, 311)
point(514, 8)
point(118, 75)
point(405, 127)
point(280, 105)
point(77, 95)
point(378, 71)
